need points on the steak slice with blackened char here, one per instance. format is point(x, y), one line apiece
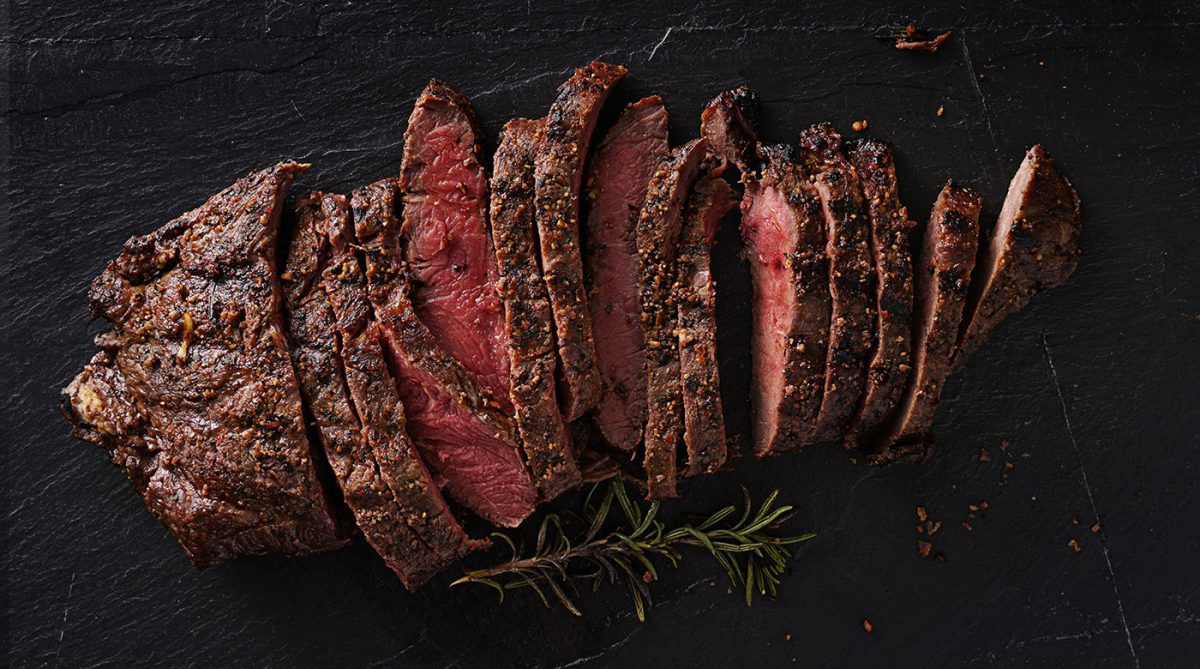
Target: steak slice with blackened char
point(620, 173)
point(193, 393)
point(468, 441)
point(528, 317)
point(559, 170)
point(1034, 245)
point(943, 277)
point(729, 124)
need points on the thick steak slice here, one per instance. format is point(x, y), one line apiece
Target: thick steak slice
point(947, 259)
point(784, 232)
point(728, 123)
point(528, 316)
point(469, 442)
point(194, 394)
point(851, 280)
point(557, 175)
point(892, 259)
point(695, 293)
point(445, 237)
point(621, 169)
point(1034, 245)
point(657, 238)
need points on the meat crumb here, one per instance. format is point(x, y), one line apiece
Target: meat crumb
point(859, 126)
point(966, 526)
point(924, 548)
point(1075, 546)
point(984, 456)
point(941, 110)
point(1096, 527)
point(866, 624)
point(921, 515)
point(915, 39)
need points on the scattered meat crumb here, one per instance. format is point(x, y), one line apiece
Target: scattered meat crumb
point(941, 110)
point(1008, 465)
point(915, 39)
point(866, 623)
point(1004, 445)
point(984, 456)
point(940, 557)
point(1075, 521)
point(1096, 527)
point(967, 526)
point(787, 637)
point(859, 126)
point(924, 548)
point(1075, 546)
point(921, 515)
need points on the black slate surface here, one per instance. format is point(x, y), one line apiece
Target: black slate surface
point(117, 116)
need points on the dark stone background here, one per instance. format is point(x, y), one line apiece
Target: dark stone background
point(119, 115)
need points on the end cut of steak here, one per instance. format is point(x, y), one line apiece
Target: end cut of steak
point(445, 237)
point(944, 275)
point(557, 176)
point(528, 317)
point(194, 394)
point(1035, 245)
point(621, 169)
point(728, 123)
point(469, 442)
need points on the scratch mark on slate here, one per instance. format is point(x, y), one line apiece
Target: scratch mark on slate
point(297, 110)
point(62, 630)
point(660, 43)
point(611, 647)
point(987, 110)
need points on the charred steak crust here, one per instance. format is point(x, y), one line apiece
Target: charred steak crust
point(728, 123)
point(559, 170)
point(194, 394)
point(851, 280)
point(1034, 245)
point(528, 316)
point(695, 293)
point(658, 230)
point(620, 173)
point(947, 259)
point(892, 259)
point(469, 441)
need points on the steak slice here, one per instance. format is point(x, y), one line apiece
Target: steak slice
point(528, 316)
point(851, 281)
point(467, 439)
point(445, 237)
point(892, 260)
point(947, 258)
point(695, 293)
point(1035, 245)
point(728, 123)
point(784, 232)
point(557, 175)
point(620, 173)
point(193, 393)
point(657, 238)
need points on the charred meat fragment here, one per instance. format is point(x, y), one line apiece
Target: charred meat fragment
point(728, 123)
point(913, 38)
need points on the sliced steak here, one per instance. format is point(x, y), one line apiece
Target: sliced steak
point(728, 123)
point(1034, 245)
point(657, 238)
point(784, 231)
point(469, 442)
point(620, 173)
point(194, 394)
point(892, 259)
point(528, 317)
point(557, 176)
point(695, 295)
point(851, 280)
point(445, 237)
point(947, 258)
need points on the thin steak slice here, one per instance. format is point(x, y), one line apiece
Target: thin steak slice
point(621, 170)
point(728, 123)
point(657, 237)
point(784, 232)
point(947, 258)
point(468, 441)
point(851, 280)
point(528, 317)
point(557, 175)
point(695, 293)
point(1035, 245)
point(194, 394)
point(445, 237)
point(892, 259)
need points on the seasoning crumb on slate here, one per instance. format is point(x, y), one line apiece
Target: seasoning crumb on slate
point(984, 456)
point(939, 557)
point(1075, 521)
point(1096, 527)
point(941, 110)
point(924, 548)
point(1075, 546)
point(967, 526)
point(859, 126)
point(866, 624)
point(787, 637)
point(921, 514)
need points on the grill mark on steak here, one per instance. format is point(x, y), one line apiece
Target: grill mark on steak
point(445, 237)
point(851, 281)
point(193, 393)
point(947, 258)
point(728, 123)
point(1034, 245)
point(620, 173)
point(892, 260)
point(557, 175)
point(695, 293)
point(468, 442)
point(528, 316)
point(657, 237)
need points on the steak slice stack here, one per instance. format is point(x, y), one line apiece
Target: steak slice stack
point(557, 176)
point(528, 317)
point(194, 394)
point(620, 173)
point(468, 440)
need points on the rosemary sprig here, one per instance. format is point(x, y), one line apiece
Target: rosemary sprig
point(746, 545)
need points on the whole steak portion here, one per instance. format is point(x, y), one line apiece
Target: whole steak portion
point(616, 187)
point(194, 394)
